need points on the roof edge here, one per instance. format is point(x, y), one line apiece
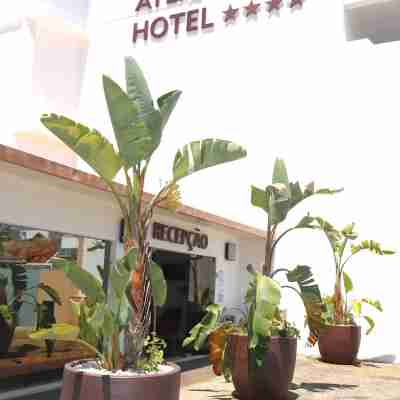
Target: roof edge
point(52, 168)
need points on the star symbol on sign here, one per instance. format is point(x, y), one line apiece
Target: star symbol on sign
point(252, 9)
point(231, 14)
point(275, 5)
point(296, 3)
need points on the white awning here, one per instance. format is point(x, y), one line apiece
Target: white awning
point(376, 20)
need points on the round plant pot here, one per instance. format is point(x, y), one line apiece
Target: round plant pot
point(6, 335)
point(340, 344)
point(82, 385)
point(271, 380)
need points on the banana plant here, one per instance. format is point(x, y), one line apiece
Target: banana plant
point(138, 123)
point(263, 320)
point(352, 310)
point(277, 200)
point(102, 316)
point(344, 248)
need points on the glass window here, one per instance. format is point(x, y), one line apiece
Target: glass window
point(24, 270)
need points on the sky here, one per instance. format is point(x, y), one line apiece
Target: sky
point(286, 86)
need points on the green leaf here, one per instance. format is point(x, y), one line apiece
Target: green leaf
point(198, 335)
point(373, 303)
point(137, 135)
point(332, 234)
point(348, 232)
point(6, 313)
point(357, 307)
point(109, 326)
point(348, 284)
point(52, 293)
point(259, 198)
point(372, 246)
point(279, 174)
point(167, 104)
point(137, 88)
point(199, 155)
point(279, 202)
point(370, 322)
point(306, 222)
point(83, 280)
point(282, 196)
point(311, 295)
point(120, 273)
point(158, 284)
point(88, 144)
point(268, 296)
point(263, 297)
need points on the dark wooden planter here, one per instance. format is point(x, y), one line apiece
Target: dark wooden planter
point(340, 344)
point(271, 381)
point(6, 335)
point(78, 385)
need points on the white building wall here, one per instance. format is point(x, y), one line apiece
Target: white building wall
point(36, 200)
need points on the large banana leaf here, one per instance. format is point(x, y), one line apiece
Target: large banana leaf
point(137, 88)
point(88, 144)
point(348, 283)
point(137, 134)
point(158, 284)
point(120, 274)
point(198, 335)
point(81, 279)
point(167, 104)
point(312, 299)
point(263, 296)
point(203, 154)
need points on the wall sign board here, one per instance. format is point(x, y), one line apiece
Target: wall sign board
point(172, 234)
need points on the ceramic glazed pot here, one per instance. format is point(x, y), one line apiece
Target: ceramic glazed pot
point(271, 381)
point(340, 344)
point(78, 385)
point(6, 335)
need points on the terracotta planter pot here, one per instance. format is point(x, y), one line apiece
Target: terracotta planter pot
point(79, 385)
point(271, 381)
point(6, 335)
point(340, 344)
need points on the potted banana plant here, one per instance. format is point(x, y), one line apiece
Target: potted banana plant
point(260, 354)
point(340, 342)
point(138, 123)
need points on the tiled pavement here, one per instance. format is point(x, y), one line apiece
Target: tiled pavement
point(314, 380)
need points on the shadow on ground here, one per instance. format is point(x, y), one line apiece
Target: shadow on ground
point(318, 387)
point(223, 395)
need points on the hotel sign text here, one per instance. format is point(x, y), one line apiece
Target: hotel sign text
point(176, 235)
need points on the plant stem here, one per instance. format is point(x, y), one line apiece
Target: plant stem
point(279, 270)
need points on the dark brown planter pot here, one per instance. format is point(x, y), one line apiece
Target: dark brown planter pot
point(340, 344)
point(79, 385)
point(271, 381)
point(6, 335)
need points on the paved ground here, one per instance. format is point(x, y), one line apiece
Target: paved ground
point(313, 380)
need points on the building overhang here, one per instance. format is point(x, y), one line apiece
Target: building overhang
point(376, 20)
